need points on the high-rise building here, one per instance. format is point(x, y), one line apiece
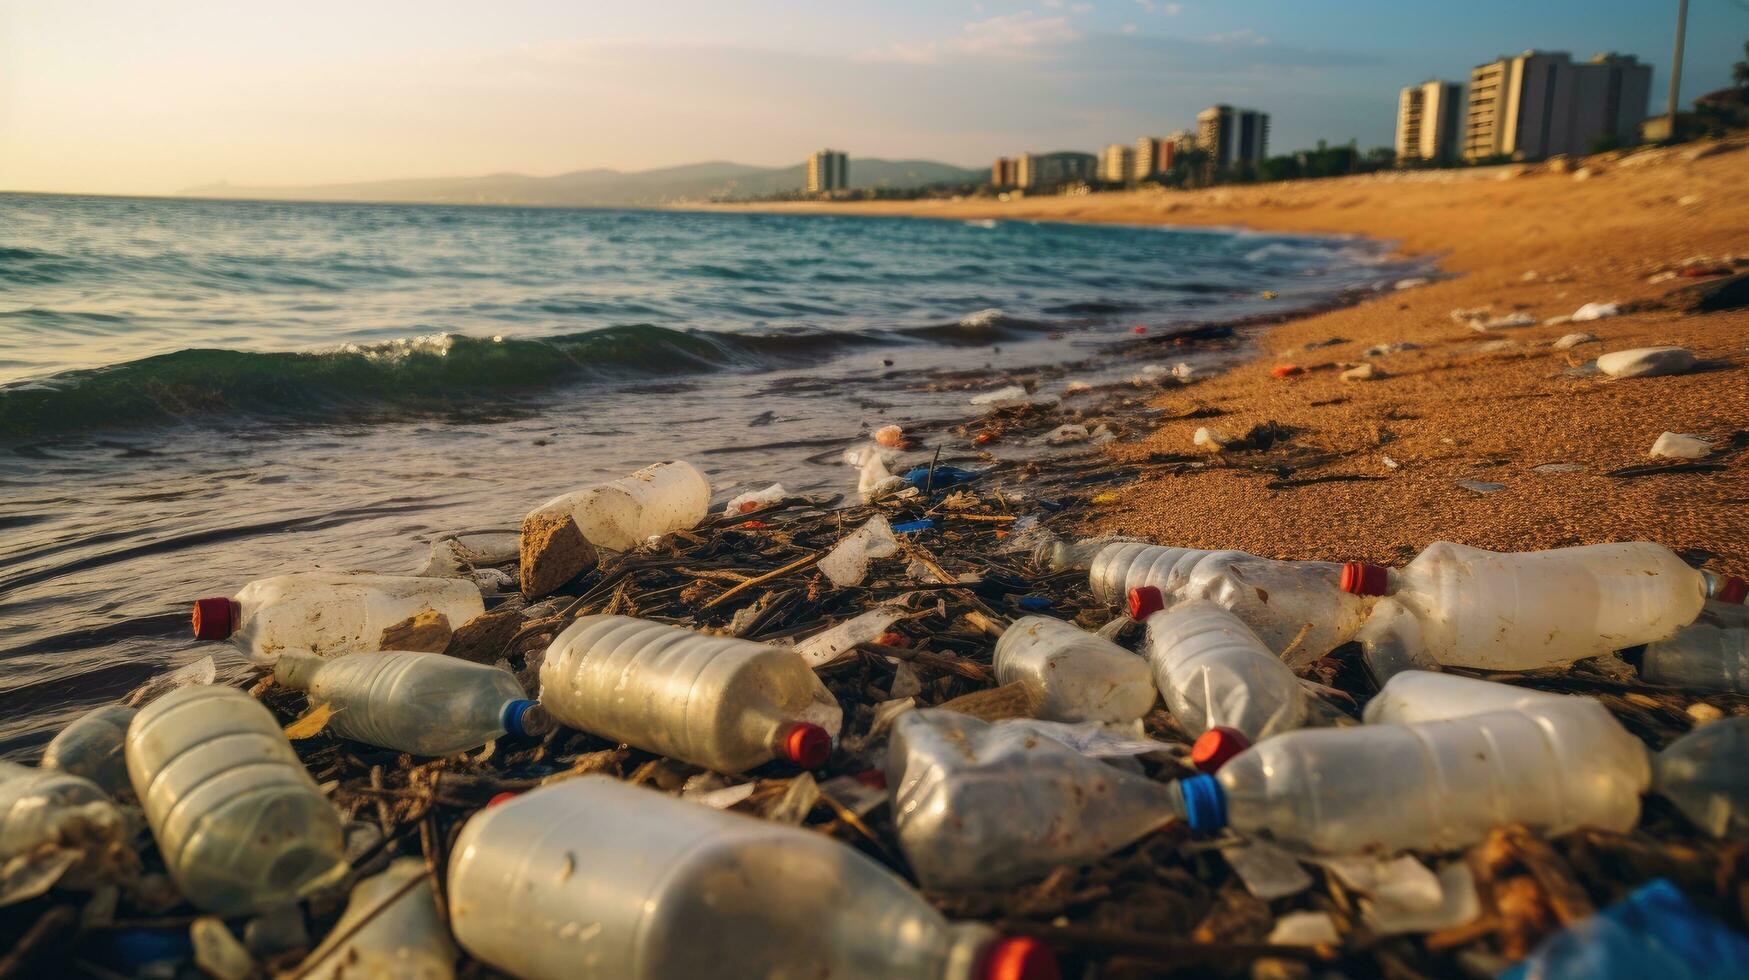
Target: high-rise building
point(1429, 122)
point(1117, 163)
point(1232, 136)
point(1041, 170)
point(1002, 172)
point(1153, 155)
point(1540, 103)
point(828, 170)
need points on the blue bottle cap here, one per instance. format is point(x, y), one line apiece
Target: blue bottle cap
point(1205, 804)
point(511, 719)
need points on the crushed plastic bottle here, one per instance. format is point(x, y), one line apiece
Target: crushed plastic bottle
point(752, 500)
point(1214, 672)
point(847, 563)
point(1467, 607)
point(47, 808)
point(1074, 675)
point(624, 513)
point(715, 701)
point(329, 613)
point(405, 940)
point(1653, 932)
point(239, 822)
point(1554, 766)
point(595, 879)
point(94, 747)
point(1703, 774)
point(422, 703)
point(1420, 695)
point(983, 805)
point(1297, 608)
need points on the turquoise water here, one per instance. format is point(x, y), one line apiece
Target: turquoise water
point(194, 394)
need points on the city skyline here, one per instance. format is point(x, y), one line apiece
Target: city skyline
point(113, 98)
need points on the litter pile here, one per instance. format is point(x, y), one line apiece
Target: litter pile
point(916, 734)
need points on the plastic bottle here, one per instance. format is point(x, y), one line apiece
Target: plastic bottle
point(239, 822)
point(329, 613)
point(1703, 774)
point(423, 703)
point(1075, 675)
point(1472, 608)
point(1439, 785)
point(93, 746)
point(626, 512)
point(46, 807)
point(1296, 608)
point(405, 940)
point(1419, 695)
point(1215, 673)
point(714, 701)
point(978, 805)
point(1703, 656)
point(592, 878)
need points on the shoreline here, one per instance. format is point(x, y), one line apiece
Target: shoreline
point(1490, 406)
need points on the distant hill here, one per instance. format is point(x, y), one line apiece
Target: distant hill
point(714, 181)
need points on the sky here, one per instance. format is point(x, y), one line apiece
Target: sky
point(123, 96)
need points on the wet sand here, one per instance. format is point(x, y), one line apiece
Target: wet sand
point(1530, 239)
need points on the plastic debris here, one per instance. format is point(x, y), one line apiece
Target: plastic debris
point(392, 927)
point(824, 647)
point(331, 613)
point(1304, 929)
point(1654, 932)
point(979, 804)
point(913, 527)
point(941, 478)
point(1214, 672)
point(1212, 440)
point(624, 513)
point(422, 703)
point(890, 436)
point(1364, 372)
point(56, 828)
point(847, 563)
point(1675, 445)
point(1074, 675)
point(754, 500)
point(1268, 871)
point(218, 952)
point(1702, 773)
point(717, 702)
point(1066, 434)
point(1646, 362)
point(93, 747)
point(1595, 311)
point(662, 889)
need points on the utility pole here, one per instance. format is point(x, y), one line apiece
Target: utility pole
point(1676, 62)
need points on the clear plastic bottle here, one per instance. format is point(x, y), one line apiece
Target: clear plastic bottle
point(624, 513)
point(93, 746)
point(46, 807)
point(714, 701)
point(239, 822)
point(406, 940)
point(1214, 672)
point(1440, 785)
point(1703, 774)
point(1497, 611)
point(1703, 657)
point(423, 703)
point(1297, 608)
point(1076, 675)
point(329, 613)
point(595, 879)
point(981, 805)
point(1415, 696)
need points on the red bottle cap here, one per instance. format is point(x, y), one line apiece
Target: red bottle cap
point(1138, 329)
point(807, 745)
point(1018, 958)
point(1732, 590)
point(1145, 601)
point(1214, 747)
point(1359, 578)
point(1286, 370)
point(501, 798)
point(212, 618)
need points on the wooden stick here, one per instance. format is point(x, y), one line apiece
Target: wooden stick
point(799, 563)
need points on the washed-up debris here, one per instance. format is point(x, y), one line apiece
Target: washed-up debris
point(1364, 372)
point(1676, 445)
point(1595, 311)
point(1645, 362)
point(1507, 322)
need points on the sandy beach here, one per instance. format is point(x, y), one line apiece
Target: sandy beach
point(1493, 406)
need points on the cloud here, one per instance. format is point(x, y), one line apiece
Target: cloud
point(1243, 35)
point(1002, 36)
point(1128, 29)
point(1081, 8)
point(1173, 9)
